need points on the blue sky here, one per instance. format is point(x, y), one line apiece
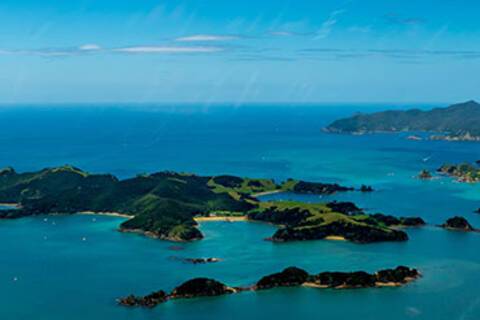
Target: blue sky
point(214, 51)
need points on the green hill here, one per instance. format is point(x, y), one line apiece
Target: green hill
point(163, 205)
point(457, 122)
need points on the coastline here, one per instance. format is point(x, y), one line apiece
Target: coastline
point(10, 205)
point(267, 193)
point(335, 238)
point(220, 218)
point(109, 214)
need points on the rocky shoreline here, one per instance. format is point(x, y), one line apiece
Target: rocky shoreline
point(463, 172)
point(196, 260)
point(289, 277)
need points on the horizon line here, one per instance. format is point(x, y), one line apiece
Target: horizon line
point(218, 104)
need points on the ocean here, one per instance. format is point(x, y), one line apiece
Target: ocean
point(75, 267)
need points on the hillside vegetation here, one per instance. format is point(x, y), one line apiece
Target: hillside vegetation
point(459, 121)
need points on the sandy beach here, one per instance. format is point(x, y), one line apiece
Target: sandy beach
point(335, 238)
point(377, 285)
point(266, 193)
point(110, 214)
point(226, 219)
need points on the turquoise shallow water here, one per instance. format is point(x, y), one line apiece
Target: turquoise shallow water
point(74, 267)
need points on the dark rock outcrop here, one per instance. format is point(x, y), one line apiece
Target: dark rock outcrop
point(289, 277)
point(425, 175)
point(365, 188)
point(148, 301)
point(201, 260)
point(458, 223)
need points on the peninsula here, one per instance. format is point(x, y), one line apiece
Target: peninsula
point(164, 205)
point(458, 122)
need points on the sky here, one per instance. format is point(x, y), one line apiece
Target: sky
point(219, 51)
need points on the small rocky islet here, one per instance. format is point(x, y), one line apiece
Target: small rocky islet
point(196, 260)
point(425, 175)
point(458, 224)
point(289, 277)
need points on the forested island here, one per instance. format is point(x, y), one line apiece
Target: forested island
point(459, 122)
point(290, 277)
point(464, 172)
point(164, 205)
point(458, 224)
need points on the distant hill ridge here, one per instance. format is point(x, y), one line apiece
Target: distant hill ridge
point(457, 122)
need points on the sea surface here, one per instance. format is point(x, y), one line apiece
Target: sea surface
point(74, 267)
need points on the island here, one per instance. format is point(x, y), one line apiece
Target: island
point(165, 205)
point(458, 224)
point(425, 175)
point(458, 122)
point(463, 172)
point(301, 221)
point(289, 277)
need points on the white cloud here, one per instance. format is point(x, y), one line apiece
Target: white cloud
point(168, 49)
point(93, 48)
point(90, 47)
point(206, 38)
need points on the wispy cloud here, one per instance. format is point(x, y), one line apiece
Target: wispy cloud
point(94, 48)
point(207, 38)
point(328, 25)
point(90, 47)
point(168, 49)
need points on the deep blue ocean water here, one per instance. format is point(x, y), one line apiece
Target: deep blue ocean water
point(74, 267)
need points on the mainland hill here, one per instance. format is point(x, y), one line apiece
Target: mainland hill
point(456, 122)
